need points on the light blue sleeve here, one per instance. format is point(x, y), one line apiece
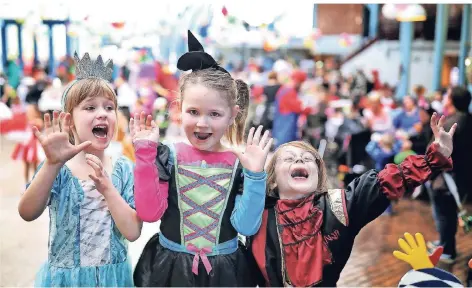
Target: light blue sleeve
point(56, 186)
point(125, 177)
point(247, 214)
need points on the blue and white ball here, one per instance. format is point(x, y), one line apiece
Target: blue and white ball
point(430, 277)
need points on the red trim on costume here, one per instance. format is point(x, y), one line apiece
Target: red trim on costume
point(259, 245)
point(304, 248)
point(414, 170)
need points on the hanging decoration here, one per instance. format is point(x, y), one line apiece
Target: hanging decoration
point(233, 20)
point(345, 40)
point(224, 11)
point(404, 12)
point(316, 34)
point(118, 25)
point(411, 13)
point(268, 47)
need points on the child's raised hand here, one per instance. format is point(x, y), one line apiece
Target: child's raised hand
point(101, 179)
point(441, 137)
point(55, 138)
point(257, 148)
point(142, 128)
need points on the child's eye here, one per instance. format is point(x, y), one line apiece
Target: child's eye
point(289, 159)
point(193, 112)
point(308, 159)
point(215, 114)
point(89, 108)
point(110, 108)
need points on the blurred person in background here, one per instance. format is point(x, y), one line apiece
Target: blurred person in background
point(408, 117)
point(377, 117)
point(288, 108)
point(270, 90)
point(444, 205)
point(126, 96)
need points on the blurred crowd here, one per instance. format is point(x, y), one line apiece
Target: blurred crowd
point(364, 124)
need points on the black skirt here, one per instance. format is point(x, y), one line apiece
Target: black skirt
point(161, 267)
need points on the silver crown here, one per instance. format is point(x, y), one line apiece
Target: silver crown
point(87, 68)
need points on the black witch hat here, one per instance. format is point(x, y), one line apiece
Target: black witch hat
point(196, 58)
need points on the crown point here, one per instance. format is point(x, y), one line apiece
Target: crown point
point(87, 68)
point(109, 64)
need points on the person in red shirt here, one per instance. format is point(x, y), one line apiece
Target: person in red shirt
point(288, 107)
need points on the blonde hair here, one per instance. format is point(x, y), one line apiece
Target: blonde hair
point(387, 140)
point(236, 92)
point(271, 177)
point(83, 89)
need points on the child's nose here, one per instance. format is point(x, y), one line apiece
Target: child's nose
point(202, 122)
point(102, 112)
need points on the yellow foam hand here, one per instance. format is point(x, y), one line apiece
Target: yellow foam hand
point(415, 252)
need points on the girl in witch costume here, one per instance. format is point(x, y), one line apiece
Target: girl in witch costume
point(308, 231)
point(197, 190)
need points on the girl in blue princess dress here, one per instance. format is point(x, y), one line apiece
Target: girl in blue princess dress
point(90, 196)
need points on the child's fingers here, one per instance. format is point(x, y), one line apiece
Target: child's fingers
point(153, 124)
point(61, 121)
point(268, 146)
point(47, 123)
point(453, 129)
point(38, 134)
point(142, 121)
point(250, 136)
point(136, 122)
point(94, 178)
point(94, 159)
point(263, 141)
point(82, 146)
point(95, 167)
point(148, 122)
point(433, 123)
point(442, 120)
point(236, 152)
point(66, 123)
point(55, 122)
point(257, 136)
point(131, 126)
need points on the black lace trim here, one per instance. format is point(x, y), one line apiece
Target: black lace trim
point(301, 240)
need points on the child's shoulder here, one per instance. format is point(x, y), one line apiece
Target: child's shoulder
point(124, 164)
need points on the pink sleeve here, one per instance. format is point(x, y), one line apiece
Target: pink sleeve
point(150, 193)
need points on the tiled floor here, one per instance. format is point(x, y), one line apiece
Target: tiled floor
point(372, 263)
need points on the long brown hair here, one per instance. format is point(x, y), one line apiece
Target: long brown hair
point(83, 89)
point(271, 177)
point(236, 92)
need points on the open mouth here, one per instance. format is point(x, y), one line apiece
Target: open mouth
point(100, 131)
point(299, 173)
point(202, 136)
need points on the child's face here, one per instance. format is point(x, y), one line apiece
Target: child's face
point(296, 172)
point(206, 116)
point(95, 120)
